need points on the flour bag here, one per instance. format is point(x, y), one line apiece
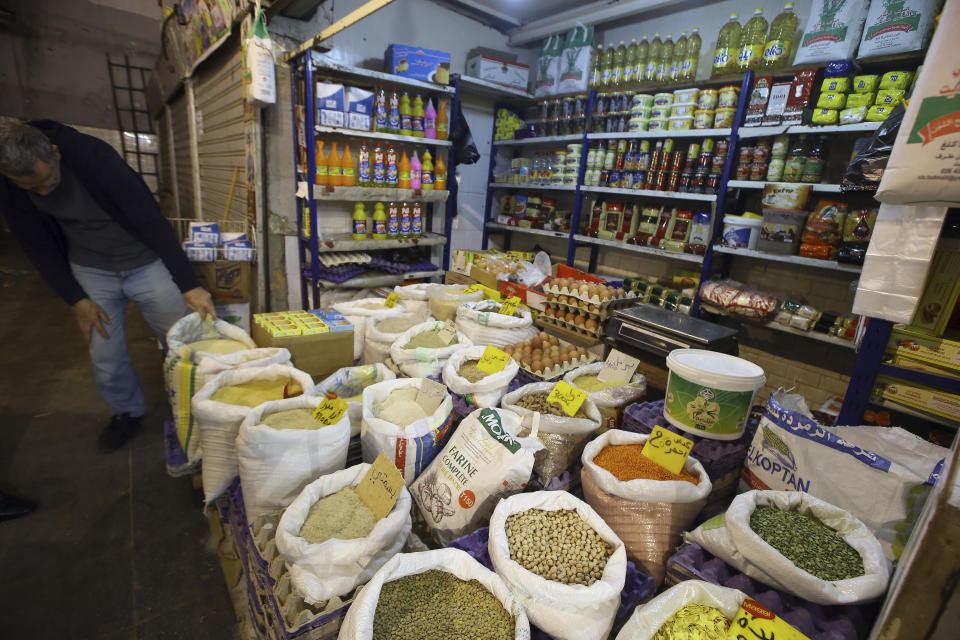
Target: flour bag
point(897, 26)
point(259, 73)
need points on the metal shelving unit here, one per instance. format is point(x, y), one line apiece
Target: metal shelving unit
point(649, 193)
point(634, 248)
point(378, 194)
point(345, 242)
point(528, 230)
point(377, 135)
point(532, 187)
point(830, 265)
point(762, 132)
point(689, 133)
point(376, 279)
point(760, 184)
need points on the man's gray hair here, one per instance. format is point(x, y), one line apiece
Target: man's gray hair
point(21, 146)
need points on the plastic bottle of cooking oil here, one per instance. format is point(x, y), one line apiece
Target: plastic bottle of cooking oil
point(783, 29)
point(630, 64)
point(725, 55)
point(752, 39)
point(666, 59)
point(596, 73)
point(619, 55)
point(655, 51)
point(688, 70)
point(606, 65)
point(679, 53)
point(643, 52)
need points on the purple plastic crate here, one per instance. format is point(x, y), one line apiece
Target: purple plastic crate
point(177, 463)
point(638, 587)
point(817, 622)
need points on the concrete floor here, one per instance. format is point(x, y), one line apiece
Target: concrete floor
point(117, 549)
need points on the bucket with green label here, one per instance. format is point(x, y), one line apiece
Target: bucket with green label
point(710, 394)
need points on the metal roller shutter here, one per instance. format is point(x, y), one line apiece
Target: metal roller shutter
point(182, 157)
point(167, 169)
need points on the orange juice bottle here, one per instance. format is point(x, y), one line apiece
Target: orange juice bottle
point(443, 121)
point(334, 170)
point(403, 179)
point(349, 178)
point(320, 160)
point(440, 174)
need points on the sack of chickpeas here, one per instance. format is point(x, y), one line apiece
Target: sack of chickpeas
point(442, 593)
point(423, 349)
point(610, 397)
point(563, 436)
point(561, 560)
point(475, 387)
point(483, 323)
point(647, 506)
point(690, 609)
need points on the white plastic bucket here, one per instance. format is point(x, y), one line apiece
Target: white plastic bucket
point(741, 232)
point(710, 394)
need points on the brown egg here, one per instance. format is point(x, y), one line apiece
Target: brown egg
point(547, 363)
point(551, 297)
point(592, 308)
point(570, 316)
point(538, 354)
point(536, 365)
point(578, 321)
point(548, 312)
point(618, 293)
point(544, 336)
point(525, 361)
point(562, 299)
point(590, 324)
point(581, 351)
point(536, 343)
point(582, 304)
point(554, 340)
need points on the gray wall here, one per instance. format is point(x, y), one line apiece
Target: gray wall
point(53, 55)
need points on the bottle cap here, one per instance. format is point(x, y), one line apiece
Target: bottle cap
point(734, 16)
point(757, 11)
point(788, 5)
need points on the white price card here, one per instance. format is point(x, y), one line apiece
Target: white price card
point(619, 367)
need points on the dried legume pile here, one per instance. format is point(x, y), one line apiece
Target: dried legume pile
point(397, 324)
point(255, 392)
point(428, 340)
point(341, 515)
point(470, 371)
point(807, 543)
point(437, 604)
point(557, 545)
point(292, 419)
point(626, 462)
point(694, 622)
point(537, 401)
point(592, 383)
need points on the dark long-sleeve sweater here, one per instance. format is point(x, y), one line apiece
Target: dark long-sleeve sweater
point(115, 187)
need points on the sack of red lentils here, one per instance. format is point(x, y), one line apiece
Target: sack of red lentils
point(646, 505)
point(610, 398)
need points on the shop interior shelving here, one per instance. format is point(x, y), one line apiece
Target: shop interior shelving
point(305, 70)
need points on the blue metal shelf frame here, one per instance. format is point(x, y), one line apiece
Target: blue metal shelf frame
point(301, 244)
point(578, 197)
point(452, 186)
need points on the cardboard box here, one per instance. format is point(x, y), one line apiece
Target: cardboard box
point(359, 109)
point(939, 294)
point(331, 104)
point(918, 396)
point(319, 354)
point(416, 62)
point(944, 353)
point(228, 281)
point(510, 74)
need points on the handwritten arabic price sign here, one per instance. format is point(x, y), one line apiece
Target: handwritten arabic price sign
point(509, 307)
point(493, 360)
point(380, 487)
point(447, 332)
point(667, 449)
point(569, 397)
point(392, 300)
point(330, 409)
point(430, 395)
point(755, 622)
point(619, 367)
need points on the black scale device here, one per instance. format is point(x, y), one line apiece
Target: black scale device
point(659, 331)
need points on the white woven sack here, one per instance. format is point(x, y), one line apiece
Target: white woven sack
point(351, 381)
point(276, 464)
point(565, 611)
point(376, 343)
point(445, 298)
point(422, 362)
point(487, 391)
point(642, 490)
point(483, 325)
point(335, 567)
point(358, 624)
point(220, 422)
point(411, 448)
point(611, 400)
point(730, 538)
point(647, 619)
point(549, 423)
point(354, 312)
point(414, 298)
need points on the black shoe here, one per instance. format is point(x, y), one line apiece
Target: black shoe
point(14, 507)
point(121, 428)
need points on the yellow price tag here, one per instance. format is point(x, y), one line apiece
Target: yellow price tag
point(380, 487)
point(392, 300)
point(330, 409)
point(667, 449)
point(569, 397)
point(509, 307)
point(493, 360)
point(473, 288)
point(753, 621)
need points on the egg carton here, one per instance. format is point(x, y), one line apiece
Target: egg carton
point(337, 258)
point(817, 622)
point(594, 299)
point(558, 370)
point(569, 326)
point(600, 313)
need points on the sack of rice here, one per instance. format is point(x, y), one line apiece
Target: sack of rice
point(349, 383)
point(383, 332)
point(222, 405)
point(359, 312)
point(483, 324)
point(197, 350)
point(331, 540)
point(395, 423)
point(442, 593)
point(475, 387)
point(483, 461)
point(423, 349)
point(563, 436)
point(444, 300)
point(647, 506)
point(281, 448)
point(833, 31)
point(897, 27)
point(691, 609)
point(414, 298)
point(610, 397)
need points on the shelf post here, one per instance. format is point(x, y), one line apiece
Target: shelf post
point(301, 249)
point(452, 187)
point(865, 371)
point(311, 135)
point(488, 202)
point(578, 198)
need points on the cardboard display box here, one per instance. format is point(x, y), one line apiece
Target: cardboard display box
point(417, 62)
point(228, 281)
point(319, 355)
point(510, 74)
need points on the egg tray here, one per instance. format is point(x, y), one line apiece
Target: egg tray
point(569, 326)
point(557, 370)
point(817, 622)
point(603, 312)
point(595, 299)
point(638, 587)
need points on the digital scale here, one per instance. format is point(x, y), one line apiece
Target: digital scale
point(659, 331)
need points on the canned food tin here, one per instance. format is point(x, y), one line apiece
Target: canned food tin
point(716, 164)
point(708, 98)
point(613, 178)
point(743, 171)
point(723, 147)
point(679, 110)
point(657, 124)
point(640, 180)
point(703, 118)
point(724, 117)
point(574, 150)
point(758, 170)
point(686, 95)
point(644, 100)
point(662, 99)
point(638, 123)
point(727, 98)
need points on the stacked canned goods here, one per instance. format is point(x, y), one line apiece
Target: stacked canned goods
point(558, 116)
point(635, 164)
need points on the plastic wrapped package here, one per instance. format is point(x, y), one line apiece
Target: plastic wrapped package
point(734, 298)
point(482, 323)
point(896, 80)
point(853, 115)
point(897, 27)
point(866, 169)
point(832, 31)
point(878, 113)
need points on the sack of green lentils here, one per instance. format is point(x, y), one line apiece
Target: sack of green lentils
point(688, 607)
point(563, 436)
point(610, 398)
point(483, 324)
point(483, 461)
point(421, 350)
point(396, 424)
point(382, 333)
point(798, 544)
point(587, 562)
point(332, 542)
point(442, 593)
point(648, 507)
point(281, 448)
point(225, 402)
point(477, 388)
point(359, 312)
point(349, 383)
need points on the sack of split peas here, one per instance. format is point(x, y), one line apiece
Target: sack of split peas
point(645, 504)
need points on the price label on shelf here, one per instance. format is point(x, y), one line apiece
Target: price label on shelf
point(509, 307)
point(392, 300)
point(493, 360)
point(618, 367)
point(380, 487)
point(667, 449)
point(330, 409)
point(755, 622)
point(569, 397)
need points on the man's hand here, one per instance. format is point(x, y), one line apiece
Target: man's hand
point(89, 315)
point(199, 300)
